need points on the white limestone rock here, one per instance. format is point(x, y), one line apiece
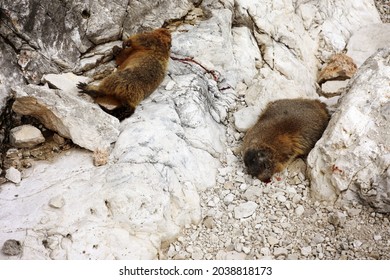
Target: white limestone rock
point(65, 81)
point(246, 118)
point(26, 136)
point(245, 209)
point(68, 115)
point(353, 156)
point(366, 41)
point(13, 175)
point(334, 86)
point(335, 20)
point(247, 54)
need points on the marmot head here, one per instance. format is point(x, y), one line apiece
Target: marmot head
point(259, 163)
point(158, 39)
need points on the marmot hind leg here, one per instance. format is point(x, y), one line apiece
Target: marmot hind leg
point(120, 113)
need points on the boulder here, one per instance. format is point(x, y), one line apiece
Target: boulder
point(68, 115)
point(351, 160)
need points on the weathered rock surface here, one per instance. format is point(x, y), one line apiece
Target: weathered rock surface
point(143, 15)
point(25, 136)
point(68, 115)
point(13, 175)
point(365, 41)
point(65, 82)
point(50, 35)
point(353, 156)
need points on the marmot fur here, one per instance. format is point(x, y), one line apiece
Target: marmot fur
point(288, 128)
point(142, 66)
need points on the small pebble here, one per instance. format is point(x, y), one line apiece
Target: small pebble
point(12, 247)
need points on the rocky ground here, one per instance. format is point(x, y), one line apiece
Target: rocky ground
point(244, 218)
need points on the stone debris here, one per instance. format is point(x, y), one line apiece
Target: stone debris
point(25, 136)
point(13, 175)
point(340, 67)
point(245, 210)
point(57, 202)
point(12, 247)
point(299, 210)
point(100, 157)
point(334, 88)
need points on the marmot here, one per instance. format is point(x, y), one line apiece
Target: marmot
point(288, 128)
point(142, 66)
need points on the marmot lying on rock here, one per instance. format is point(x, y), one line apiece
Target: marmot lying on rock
point(142, 66)
point(288, 128)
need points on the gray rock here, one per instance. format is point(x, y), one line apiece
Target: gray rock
point(272, 240)
point(70, 116)
point(337, 219)
point(334, 86)
point(299, 210)
point(280, 251)
point(230, 255)
point(306, 251)
point(12, 247)
point(31, 35)
point(26, 136)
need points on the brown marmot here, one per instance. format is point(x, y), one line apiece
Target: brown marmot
point(288, 128)
point(142, 66)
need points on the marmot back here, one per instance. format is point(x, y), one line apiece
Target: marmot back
point(288, 128)
point(142, 66)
